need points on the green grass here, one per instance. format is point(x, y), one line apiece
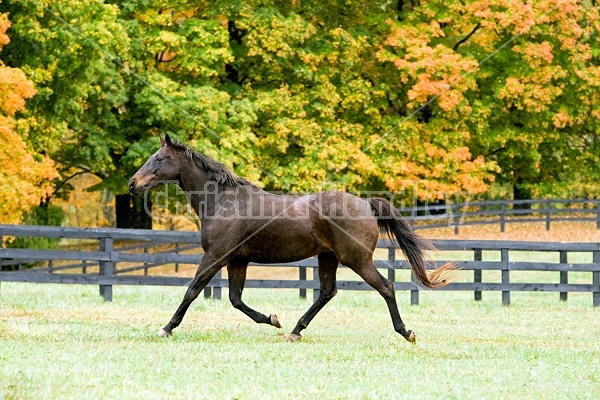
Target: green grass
point(60, 341)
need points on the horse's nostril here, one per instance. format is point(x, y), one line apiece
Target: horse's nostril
point(131, 185)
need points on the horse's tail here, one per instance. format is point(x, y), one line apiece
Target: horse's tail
point(413, 245)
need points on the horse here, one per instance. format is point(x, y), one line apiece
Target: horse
point(241, 223)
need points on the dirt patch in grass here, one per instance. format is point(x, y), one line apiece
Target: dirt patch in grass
point(532, 231)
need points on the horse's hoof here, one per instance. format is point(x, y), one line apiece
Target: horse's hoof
point(294, 337)
point(162, 333)
point(412, 338)
point(275, 321)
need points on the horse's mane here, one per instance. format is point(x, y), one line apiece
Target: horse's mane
point(216, 171)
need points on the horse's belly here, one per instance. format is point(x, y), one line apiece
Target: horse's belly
point(281, 246)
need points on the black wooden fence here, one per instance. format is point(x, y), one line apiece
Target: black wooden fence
point(502, 212)
point(114, 257)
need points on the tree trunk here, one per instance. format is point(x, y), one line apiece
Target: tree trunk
point(133, 211)
point(399, 7)
point(521, 193)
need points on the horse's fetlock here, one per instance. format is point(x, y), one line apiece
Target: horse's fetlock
point(301, 326)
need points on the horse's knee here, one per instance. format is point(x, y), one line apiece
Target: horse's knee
point(389, 285)
point(388, 290)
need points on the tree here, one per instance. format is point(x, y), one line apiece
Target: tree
point(77, 52)
point(104, 89)
point(24, 175)
point(524, 81)
point(459, 97)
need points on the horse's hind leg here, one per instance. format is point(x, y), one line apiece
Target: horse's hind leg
point(328, 264)
point(369, 273)
point(236, 270)
point(207, 269)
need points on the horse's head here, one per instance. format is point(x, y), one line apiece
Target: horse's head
point(162, 166)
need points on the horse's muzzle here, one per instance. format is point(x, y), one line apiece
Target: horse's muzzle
point(133, 189)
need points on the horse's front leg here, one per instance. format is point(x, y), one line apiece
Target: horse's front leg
point(208, 268)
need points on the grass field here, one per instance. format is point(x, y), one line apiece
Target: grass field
point(63, 342)
point(60, 341)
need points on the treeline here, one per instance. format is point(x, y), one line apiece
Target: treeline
point(493, 98)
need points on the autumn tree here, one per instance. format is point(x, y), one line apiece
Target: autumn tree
point(72, 50)
point(519, 79)
point(296, 92)
point(481, 97)
point(24, 174)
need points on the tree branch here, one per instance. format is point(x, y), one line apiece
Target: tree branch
point(64, 181)
point(461, 41)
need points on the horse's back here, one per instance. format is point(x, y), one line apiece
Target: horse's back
point(290, 228)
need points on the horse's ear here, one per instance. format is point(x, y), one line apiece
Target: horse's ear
point(166, 141)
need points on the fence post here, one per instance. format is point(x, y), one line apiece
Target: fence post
point(413, 213)
point(598, 215)
point(217, 288)
point(564, 275)
point(477, 273)
point(502, 217)
point(596, 279)
point(146, 262)
point(316, 292)
point(505, 277)
point(414, 294)
point(176, 252)
point(107, 268)
point(302, 278)
point(1, 241)
point(392, 264)
point(547, 202)
point(456, 210)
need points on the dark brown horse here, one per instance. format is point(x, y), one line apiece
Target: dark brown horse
point(240, 223)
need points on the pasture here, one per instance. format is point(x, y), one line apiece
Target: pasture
point(63, 341)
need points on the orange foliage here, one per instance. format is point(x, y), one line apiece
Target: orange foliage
point(471, 62)
point(432, 70)
point(14, 89)
point(4, 25)
point(24, 176)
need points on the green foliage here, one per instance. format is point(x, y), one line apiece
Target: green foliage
point(473, 97)
point(45, 215)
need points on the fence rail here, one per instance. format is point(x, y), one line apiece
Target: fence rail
point(502, 212)
point(473, 257)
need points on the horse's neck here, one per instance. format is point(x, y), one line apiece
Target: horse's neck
point(193, 183)
point(202, 193)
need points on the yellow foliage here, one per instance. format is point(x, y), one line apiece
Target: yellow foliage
point(24, 176)
point(4, 25)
